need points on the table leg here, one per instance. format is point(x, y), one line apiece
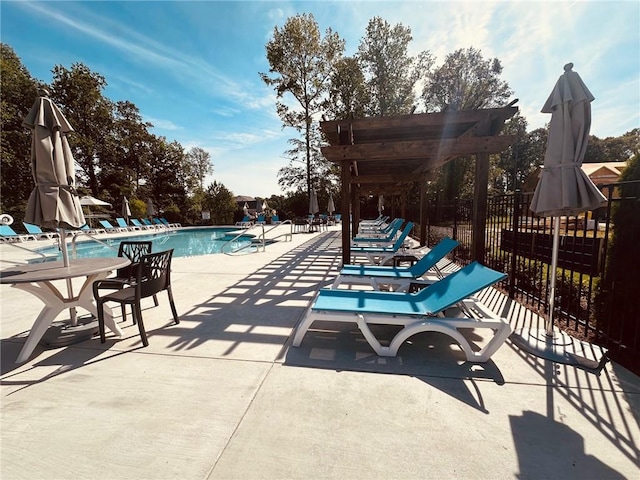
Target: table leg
point(54, 304)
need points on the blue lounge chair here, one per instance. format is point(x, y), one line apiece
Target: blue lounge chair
point(171, 225)
point(386, 236)
point(416, 312)
point(378, 255)
point(136, 223)
point(110, 228)
point(275, 220)
point(245, 222)
point(8, 234)
point(395, 278)
point(150, 225)
point(36, 231)
point(122, 223)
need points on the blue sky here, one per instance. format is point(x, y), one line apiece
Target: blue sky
point(192, 67)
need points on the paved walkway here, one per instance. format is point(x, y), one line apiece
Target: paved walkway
point(224, 396)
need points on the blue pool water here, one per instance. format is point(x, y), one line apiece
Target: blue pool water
point(186, 242)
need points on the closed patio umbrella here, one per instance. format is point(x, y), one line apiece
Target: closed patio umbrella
point(331, 207)
point(563, 189)
point(380, 204)
point(126, 209)
point(313, 202)
point(151, 209)
point(54, 202)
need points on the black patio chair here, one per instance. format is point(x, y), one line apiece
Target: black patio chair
point(152, 275)
point(125, 276)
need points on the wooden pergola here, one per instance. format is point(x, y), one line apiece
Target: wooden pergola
point(387, 155)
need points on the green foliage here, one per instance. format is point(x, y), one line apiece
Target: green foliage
point(221, 204)
point(302, 62)
point(17, 94)
point(391, 73)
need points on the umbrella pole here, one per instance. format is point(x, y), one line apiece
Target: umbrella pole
point(552, 280)
point(65, 262)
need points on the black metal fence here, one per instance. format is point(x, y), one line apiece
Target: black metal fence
point(595, 297)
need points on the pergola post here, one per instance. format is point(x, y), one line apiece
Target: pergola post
point(480, 187)
point(423, 216)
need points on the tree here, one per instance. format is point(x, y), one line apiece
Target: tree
point(18, 92)
point(221, 202)
point(465, 81)
point(349, 94)
point(302, 62)
point(78, 93)
point(391, 73)
point(199, 166)
point(517, 162)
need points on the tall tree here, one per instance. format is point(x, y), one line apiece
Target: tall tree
point(349, 94)
point(302, 62)
point(18, 92)
point(392, 74)
point(465, 81)
point(199, 164)
point(78, 91)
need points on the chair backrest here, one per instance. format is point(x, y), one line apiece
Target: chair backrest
point(133, 251)
point(105, 224)
point(136, 222)
point(7, 231)
point(456, 287)
point(165, 221)
point(403, 236)
point(434, 255)
point(157, 221)
point(146, 221)
point(33, 229)
point(122, 222)
point(153, 273)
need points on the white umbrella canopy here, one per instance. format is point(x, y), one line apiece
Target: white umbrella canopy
point(89, 201)
point(313, 202)
point(331, 207)
point(265, 205)
point(54, 202)
point(245, 209)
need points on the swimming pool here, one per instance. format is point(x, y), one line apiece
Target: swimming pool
point(186, 242)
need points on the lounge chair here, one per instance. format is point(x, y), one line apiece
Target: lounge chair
point(416, 312)
point(260, 220)
point(37, 231)
point(110, 228)
point(136, 223)
point(8, 234)
point(122, 223)
point(245, 222)
point(395, 278)
point(158, 223)
point(146, 222)
point(387, 232)
point(378, 255)
point(385, 237)
point(275, 220)
point(170, 225)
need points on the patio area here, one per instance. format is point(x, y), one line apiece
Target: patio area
point(223, 394)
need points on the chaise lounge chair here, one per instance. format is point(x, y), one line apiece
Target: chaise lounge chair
point(8, 234)
point(416, 312)
point(378, 255)
point(136, 223)
point(386, 235)
point(395, 278)
point(110, 228)
point(37, 231)
point(122, 223)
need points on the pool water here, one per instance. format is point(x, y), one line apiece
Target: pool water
point(186, 242)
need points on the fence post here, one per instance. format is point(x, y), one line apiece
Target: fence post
point(515, 228)
point(455, 218)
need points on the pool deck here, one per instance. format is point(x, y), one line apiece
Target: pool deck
point(224, 395)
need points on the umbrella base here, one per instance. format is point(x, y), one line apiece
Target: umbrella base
point(61, 334)
point(561, 348)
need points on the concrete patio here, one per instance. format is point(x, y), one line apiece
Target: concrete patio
point(223, 395)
